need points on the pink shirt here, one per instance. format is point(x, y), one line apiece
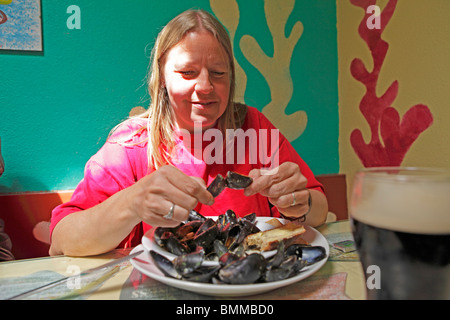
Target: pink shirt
point(117, 166)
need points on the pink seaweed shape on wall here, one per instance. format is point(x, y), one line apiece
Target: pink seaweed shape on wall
point(384, 120)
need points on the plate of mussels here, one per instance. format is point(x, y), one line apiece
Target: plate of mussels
point(213, 255)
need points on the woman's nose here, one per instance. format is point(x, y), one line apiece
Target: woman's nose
point(204, 84)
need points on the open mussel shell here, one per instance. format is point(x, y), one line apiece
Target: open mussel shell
point(219, 248)
point(282, 265)
point(165, 265)
point(217, 185)
point(243, 271)
point(202, 274)
point(195, 216)
point(176, 247)
point(310, 254)
point(278, 258)
point(161, 235)
point(233, 180)
point(277, 274)
point(206, 234)
point(188, 263)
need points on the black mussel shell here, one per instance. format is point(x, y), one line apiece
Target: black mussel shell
point(251, 217)
point(184, 229)
point(164, 264)
point(195, 216)
point(206, 234)
point(245, 270)
point(217, 185)
point(161, 235)
point(277, 274)
point(188, 263)
point(235, 180)
point(219, 248)
point(228, 258)
point(278, 258)
point(202, 274)
point(176, 247)
point(310, 254)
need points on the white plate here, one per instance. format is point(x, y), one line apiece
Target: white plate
point(149, 243)
point(144, 264)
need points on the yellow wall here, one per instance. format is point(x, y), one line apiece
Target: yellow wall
point(418, 57)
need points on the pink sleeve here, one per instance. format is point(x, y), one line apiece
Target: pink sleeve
point(96, 186)
point(113, 168)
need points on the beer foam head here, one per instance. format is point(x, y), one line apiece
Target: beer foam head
point(415, 200)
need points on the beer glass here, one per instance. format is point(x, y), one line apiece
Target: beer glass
point(401, 224)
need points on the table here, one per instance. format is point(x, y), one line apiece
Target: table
point(341, 278)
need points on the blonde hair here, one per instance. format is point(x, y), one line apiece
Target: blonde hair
point(160, 126)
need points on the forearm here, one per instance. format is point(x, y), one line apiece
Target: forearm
point(319, 209)
point(95, 230)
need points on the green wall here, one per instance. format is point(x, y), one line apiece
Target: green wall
point(58, 106)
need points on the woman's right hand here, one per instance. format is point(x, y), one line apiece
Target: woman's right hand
point(152, 196)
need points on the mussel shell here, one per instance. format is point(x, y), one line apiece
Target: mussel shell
point(176, 247)
point(245, 270)
point(161, 235)
point(299, 265)
point(230, 217)
point(238, 232)
point(278, 258)
point(184, 229)
point(188, 263)
point(217, 185)
point(290, 266)
point(233, 236)
point(202, 274)
point(219, 248)
point(226, 220)
point(249, 227)
point(277, 274)
point(206, 234)
point(251, 217)
point(288, 262)
point(310, 254)
point(207, 224)
point(164, 264)
point(235, 180)
point(195, 216)
point(228, 258)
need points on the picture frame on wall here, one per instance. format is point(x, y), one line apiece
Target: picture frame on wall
point(21, 25)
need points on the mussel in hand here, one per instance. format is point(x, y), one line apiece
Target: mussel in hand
point(233, 180)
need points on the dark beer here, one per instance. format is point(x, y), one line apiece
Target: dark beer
point(412, 266)
point(401, 225)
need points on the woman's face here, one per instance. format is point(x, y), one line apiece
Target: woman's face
point(197, 79)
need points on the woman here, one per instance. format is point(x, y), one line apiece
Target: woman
point(154, 168)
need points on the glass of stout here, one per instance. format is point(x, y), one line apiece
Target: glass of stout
point(401, 225)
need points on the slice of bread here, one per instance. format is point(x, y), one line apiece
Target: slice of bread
point(289, 233)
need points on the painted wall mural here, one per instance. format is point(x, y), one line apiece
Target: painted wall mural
point(391, 137)
point(275, 69)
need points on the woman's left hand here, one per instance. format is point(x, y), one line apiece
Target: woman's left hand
point(284, 186)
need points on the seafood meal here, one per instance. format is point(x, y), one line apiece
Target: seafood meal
point(236, 244)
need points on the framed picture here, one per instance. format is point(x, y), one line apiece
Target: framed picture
point(20, 25)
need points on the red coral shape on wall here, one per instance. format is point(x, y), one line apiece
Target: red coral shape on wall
point(397, 135)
